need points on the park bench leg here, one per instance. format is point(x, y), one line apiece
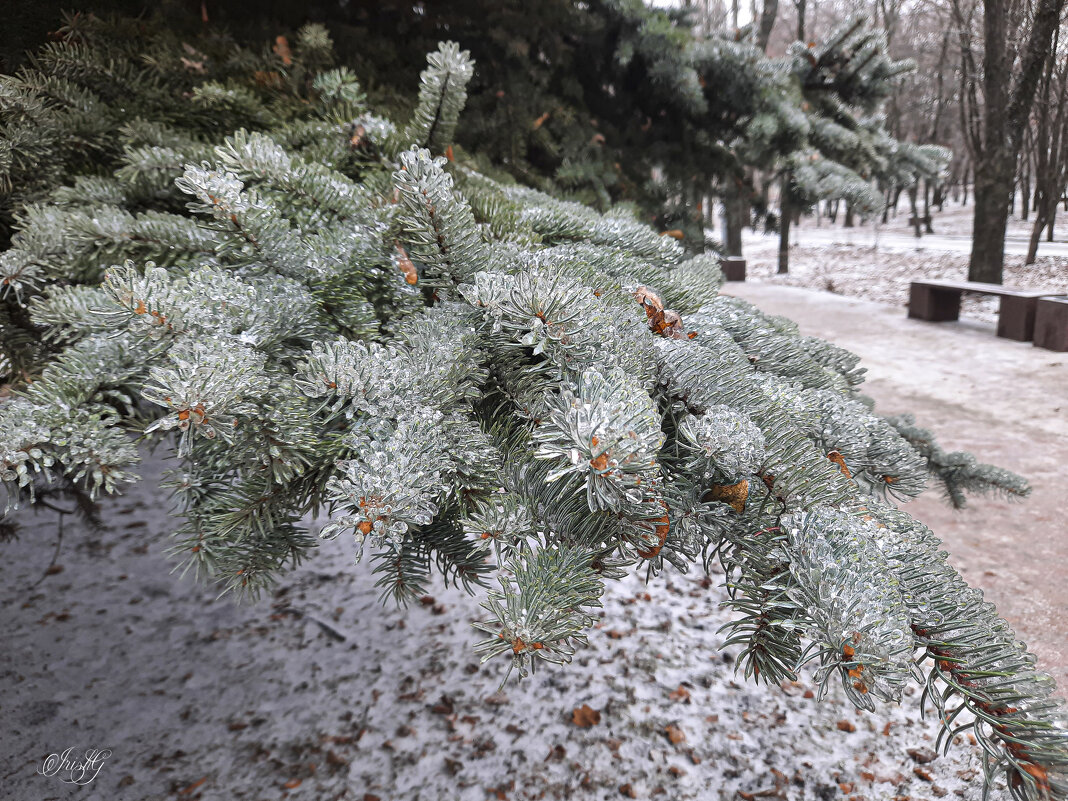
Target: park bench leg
point(1051, 326)
point(1016, 318)
point(733, 268)
point(934, 305)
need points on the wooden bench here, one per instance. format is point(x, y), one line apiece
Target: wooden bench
point(938, 301)
point(733, 268)
point(1051, 323)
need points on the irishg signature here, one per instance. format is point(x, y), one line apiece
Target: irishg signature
point(75, 769)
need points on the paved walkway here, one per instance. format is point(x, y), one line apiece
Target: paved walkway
point(1006, 402)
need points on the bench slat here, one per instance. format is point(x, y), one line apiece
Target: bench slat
point(986, 289)
point(938, 300)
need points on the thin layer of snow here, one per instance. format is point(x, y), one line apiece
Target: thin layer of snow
point(319, 692)
point(884, 275)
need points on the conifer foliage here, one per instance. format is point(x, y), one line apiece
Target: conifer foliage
point(337, 330)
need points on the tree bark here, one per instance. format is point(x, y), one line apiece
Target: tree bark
point(1036, 232)
point(916, 220)
point(991, 190)
point(1006, 109)
point(785, 220)
point(927, 228)
point(767, 22)
point(735, 208)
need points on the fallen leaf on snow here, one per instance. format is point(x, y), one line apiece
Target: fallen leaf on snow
point(193, 786)
point(922, 755)
point(681, 694)
point(675, 734)
point(583, 716)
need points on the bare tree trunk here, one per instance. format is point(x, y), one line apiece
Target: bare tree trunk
point(1025, 178)
point(767, 22)
point(927, 207)
point(1005, 113)
point(848, 221)
point(992, 189)
point(785, 220)
point(735, 209)
point(1036, 232)
point(915, 219)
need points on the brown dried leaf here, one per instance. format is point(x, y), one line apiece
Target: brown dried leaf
point(922, 755)
point(839, 460)
point(584, 716)
point(675, 734)
point(188, 790)
point(680, 694)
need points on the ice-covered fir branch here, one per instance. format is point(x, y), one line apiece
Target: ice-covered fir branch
point(442, 95)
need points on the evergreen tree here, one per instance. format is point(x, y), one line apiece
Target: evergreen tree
point(618, 92)
point(317, 312)
point(824, 137)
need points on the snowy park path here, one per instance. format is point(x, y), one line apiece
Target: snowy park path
point(1006, 402)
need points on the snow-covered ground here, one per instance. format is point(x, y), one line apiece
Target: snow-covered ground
point(318, 692)
point(884, 275)
point(825, 258)
point(878, 262)
point(955, 219)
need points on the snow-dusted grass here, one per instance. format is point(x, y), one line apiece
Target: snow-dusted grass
point(318, 692)
point(883, 274)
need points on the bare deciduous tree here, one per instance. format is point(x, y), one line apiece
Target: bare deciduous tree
point(995, 125)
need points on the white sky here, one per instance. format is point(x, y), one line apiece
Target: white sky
point(745, 10)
